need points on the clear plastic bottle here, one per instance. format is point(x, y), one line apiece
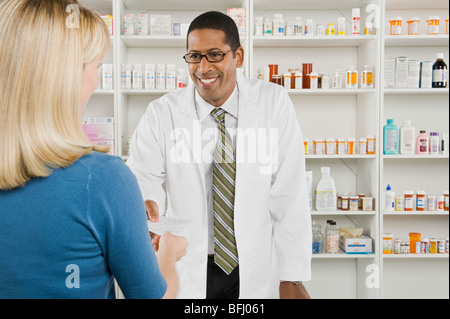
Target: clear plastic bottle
point(317, 239)
point(107, 76)
point(336, 80)
point(149, 76)
point(326, 191)
point(278, 25)
point(267, 26)
point(171, 75)
point(259, 26)
point(137, 76)
point(333, 239)
point(351, 78)
point(160, 77)
point(298, 26)
point(309, 27)
point(126, 76)
point(181, 79)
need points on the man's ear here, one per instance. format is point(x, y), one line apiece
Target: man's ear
point(239, 57)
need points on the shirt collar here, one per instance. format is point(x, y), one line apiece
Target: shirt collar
point(204, 108)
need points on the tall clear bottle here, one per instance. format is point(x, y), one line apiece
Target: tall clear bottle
point(333, 239)
point(336, 80)
point(317, 240)
point(326, 191)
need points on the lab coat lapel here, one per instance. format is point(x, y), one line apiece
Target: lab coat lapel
point(189, 124)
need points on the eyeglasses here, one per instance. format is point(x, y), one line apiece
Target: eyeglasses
point(212, 56)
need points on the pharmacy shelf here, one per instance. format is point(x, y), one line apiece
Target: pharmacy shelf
point(416, 40)
point(343, 213)
point(153, 41)
point(300, 92)
point(171, 5)
point(415, 256)
point(310, 41)
point(103, 92)
point(417, 157)
point(416, 213)
point(146, 91)
point(340, 156)
point(342, 255)
point(432, 91)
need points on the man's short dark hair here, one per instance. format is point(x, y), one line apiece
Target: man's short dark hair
point(218, 21)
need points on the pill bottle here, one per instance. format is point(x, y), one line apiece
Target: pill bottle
point(331, 30)
point(353, 203)
point(298, 26)
point(126, 76)
point(413, 26)
point(398, 204)
point(367, 203)
point(420, 201)
point(362, 146)
point(446, 201)
point(367, 77)
point(351, 81)
point(409, 201)
point(433, 25)
point(431, 203)
point(293, 72)
point(329, 146)
point(171, 76)
point(387, 243)
point(298, 80)
point(440, 203)
point(341, 26)
point(371, 145)
point(356, 21)
point(395, 26)
point(287, 80)
point(360, 201)
point(107, 76)
point(314, 80)
point(309, 27)
point(149, 76)
point(277, 79)
point(397, 246)
point(422, 143)
point(320, 30)
point(433, 246)
point(424, 245)
point(278, 25)
point(351, 146)
point(413, 239)
point(273, 69)
point(306, 71)
point(407, 248)
point(369, 28)
point(345, 203)
point(267, 26)
point(137, 76)
point(306, 144)
point(441, 246)
point(259, 26)
point(336, 80)
point(181, 79)
point(319, 146)
point(435, 143)
point(325, 81)
point(160, 77)
point(340, 146)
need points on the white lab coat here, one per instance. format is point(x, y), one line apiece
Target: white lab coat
point(272, 218)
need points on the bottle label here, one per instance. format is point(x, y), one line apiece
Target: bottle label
point(391, 141)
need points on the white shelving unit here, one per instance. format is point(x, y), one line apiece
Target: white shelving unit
point(321, 113)
point(428, 109)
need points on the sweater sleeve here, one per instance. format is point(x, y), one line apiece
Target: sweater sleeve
point(117, 216)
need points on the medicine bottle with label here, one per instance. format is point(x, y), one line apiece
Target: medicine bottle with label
point(137, 76)
point(422, 143)
point(336, 80)
point(107, 76)
point(298, 26)
point(160, 76)
point(181, 79)
point(351, 78)
point(126, 76)
point(440, 73)
point(149, 76)
point(367, 77)
point(171, 75)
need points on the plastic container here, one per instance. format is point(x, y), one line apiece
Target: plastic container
point(332, 239)
point(440, 72)
point(362, 146)
point(326, 191)
point(433, 245)
point(389, 199)
point(351, 81)
point(446, 201)
point(137, 76)
point(407, 138)
point(435, 143)
point(149, 76)
point(420, 201)
point(160, 77)
point(278, 25)
point(351, 146)
point(126, 76)
point(390, 138)
point(317, 239)
point(395, 26)
point(413, 26)
point(387, 243)
point(422, 143)
point(433, 25)
point(408, 201)
point(413, 239)
point(341, 26)
point(107, 76)
point(356, 21)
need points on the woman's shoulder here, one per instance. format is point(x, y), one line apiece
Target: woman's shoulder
point(99, 164)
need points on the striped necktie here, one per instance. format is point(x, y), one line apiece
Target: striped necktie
point(224, 176)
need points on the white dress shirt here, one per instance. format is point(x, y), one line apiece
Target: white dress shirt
point(210, 135)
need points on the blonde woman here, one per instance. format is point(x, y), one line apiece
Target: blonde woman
point(71, 217)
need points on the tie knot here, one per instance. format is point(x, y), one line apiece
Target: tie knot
point(219, 115)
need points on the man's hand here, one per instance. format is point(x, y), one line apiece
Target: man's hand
point(289, 290)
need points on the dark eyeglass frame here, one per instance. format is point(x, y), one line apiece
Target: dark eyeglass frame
point(206, 56)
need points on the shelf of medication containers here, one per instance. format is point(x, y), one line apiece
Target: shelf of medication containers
point(416, 40)
point(182, 5)
point(416, 213)
point(343, 255)
point(155, 41)
point(340, 156)
point(311, 41)
point(343, 213)
point(415, 256)
point(299, 92)
point(150, 92)
point(417, 157)
point(432, 91)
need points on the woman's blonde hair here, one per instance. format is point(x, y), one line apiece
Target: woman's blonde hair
point(43, 50)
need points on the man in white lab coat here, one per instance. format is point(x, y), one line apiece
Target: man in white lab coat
point(226, 156)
